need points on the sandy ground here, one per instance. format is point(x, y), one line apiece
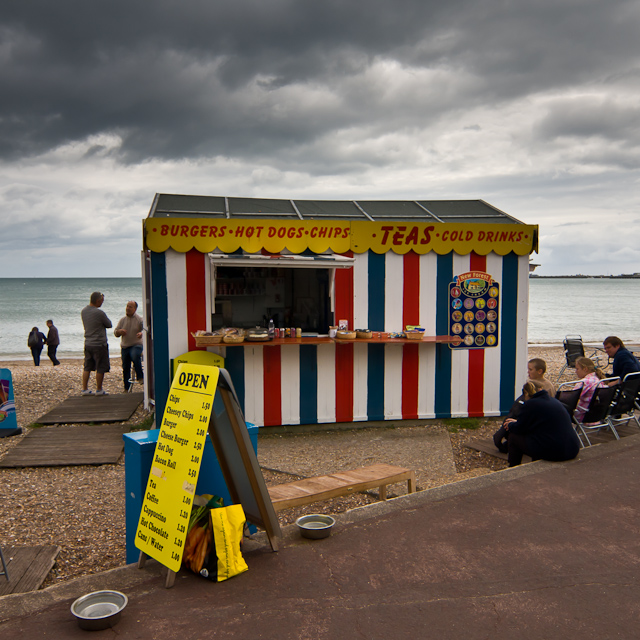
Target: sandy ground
point(82, 508)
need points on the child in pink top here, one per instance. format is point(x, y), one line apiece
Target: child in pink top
point(590, 378)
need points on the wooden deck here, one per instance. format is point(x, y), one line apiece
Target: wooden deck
point(309, 490)
point(118, 407)
point(27, 568)
point(68, 446)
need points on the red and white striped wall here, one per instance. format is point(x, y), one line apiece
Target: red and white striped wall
point(350, 383)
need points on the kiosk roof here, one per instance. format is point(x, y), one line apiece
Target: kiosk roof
point(219, 207)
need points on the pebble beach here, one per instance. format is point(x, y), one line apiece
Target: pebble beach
point(81, 508)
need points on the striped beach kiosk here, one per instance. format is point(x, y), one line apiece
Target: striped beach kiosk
point(457, 269)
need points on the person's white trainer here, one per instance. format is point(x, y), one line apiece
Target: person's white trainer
point(87, 392)
point(102, 392)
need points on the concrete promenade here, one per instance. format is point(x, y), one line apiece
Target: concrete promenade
point(545, 550)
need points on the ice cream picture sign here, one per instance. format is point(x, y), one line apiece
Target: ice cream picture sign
point(162, 528)
point(474, 308)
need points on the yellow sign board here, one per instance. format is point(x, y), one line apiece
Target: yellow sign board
point(230, 235)
point(338, 236)
point(166, 509)
point(462, 238)
point(198, 357)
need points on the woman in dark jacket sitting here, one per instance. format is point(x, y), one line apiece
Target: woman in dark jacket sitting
point(543, 429)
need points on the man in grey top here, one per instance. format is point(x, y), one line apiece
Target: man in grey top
point(96, 347)
point(129, 330)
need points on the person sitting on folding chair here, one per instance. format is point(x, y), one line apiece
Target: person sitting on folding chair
point(543, 430)
point(536, 368)
point(590, 378)
point(624, 361)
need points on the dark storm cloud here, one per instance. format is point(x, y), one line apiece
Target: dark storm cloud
point(258, 79)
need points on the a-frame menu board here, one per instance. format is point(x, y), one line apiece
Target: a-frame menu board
point(238, 460)
point(201, 398)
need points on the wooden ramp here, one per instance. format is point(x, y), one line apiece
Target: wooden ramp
point(27, 568)
point(595, 437)
point(67, 446)
point(300, 492)
point(486, 446)
point(118, 407)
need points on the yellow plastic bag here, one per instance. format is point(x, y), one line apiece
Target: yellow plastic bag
point(228, 526)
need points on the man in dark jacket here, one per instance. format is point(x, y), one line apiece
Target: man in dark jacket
point(543, 429)
point(53, 341)
point(623, 360)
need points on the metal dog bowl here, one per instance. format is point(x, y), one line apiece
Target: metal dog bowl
point(99, 610)
point(315, 526)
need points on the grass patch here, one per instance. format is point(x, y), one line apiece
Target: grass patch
point(146, 424)
point(35, 425)
point(454, 425)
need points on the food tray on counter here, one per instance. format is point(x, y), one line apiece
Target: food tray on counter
point(205, 341)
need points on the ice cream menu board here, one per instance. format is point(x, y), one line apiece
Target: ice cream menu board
point(474, 310)
point(162, 528)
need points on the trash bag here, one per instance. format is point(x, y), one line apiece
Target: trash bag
point(214, 539)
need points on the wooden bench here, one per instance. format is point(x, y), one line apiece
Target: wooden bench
point(300, 492)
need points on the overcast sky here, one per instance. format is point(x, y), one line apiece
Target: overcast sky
point(533, 107)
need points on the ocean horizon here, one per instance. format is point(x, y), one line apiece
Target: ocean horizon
point(30, 302)
point(591, 307)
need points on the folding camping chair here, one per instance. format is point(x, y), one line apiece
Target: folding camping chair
point(133, 377)
point(574, 349)
point(625, 402)
point(570, 397)
point(598, 411)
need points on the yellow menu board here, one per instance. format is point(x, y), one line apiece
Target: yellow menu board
point(162, 528)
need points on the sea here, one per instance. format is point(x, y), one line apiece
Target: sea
point(29, 302)
point(591, 307)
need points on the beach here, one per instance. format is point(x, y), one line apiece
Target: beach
point(82, 509)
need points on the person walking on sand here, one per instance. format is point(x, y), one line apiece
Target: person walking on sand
point(129, 330)
point(53, 341)
point(96, 347)
point(35, 342)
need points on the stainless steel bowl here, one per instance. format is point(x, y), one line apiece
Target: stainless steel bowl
point(315, 526)
point(99, 610)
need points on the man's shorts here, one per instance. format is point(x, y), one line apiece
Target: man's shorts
point(97, 358)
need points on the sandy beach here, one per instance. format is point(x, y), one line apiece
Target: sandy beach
point(82, 508)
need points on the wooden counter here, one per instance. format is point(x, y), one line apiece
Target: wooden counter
point(278, 342)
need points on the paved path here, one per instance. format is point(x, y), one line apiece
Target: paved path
point(540, 551)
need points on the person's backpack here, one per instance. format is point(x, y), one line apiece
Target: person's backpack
point(33, 341)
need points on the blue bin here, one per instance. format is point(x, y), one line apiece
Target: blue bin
point(139, 449)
